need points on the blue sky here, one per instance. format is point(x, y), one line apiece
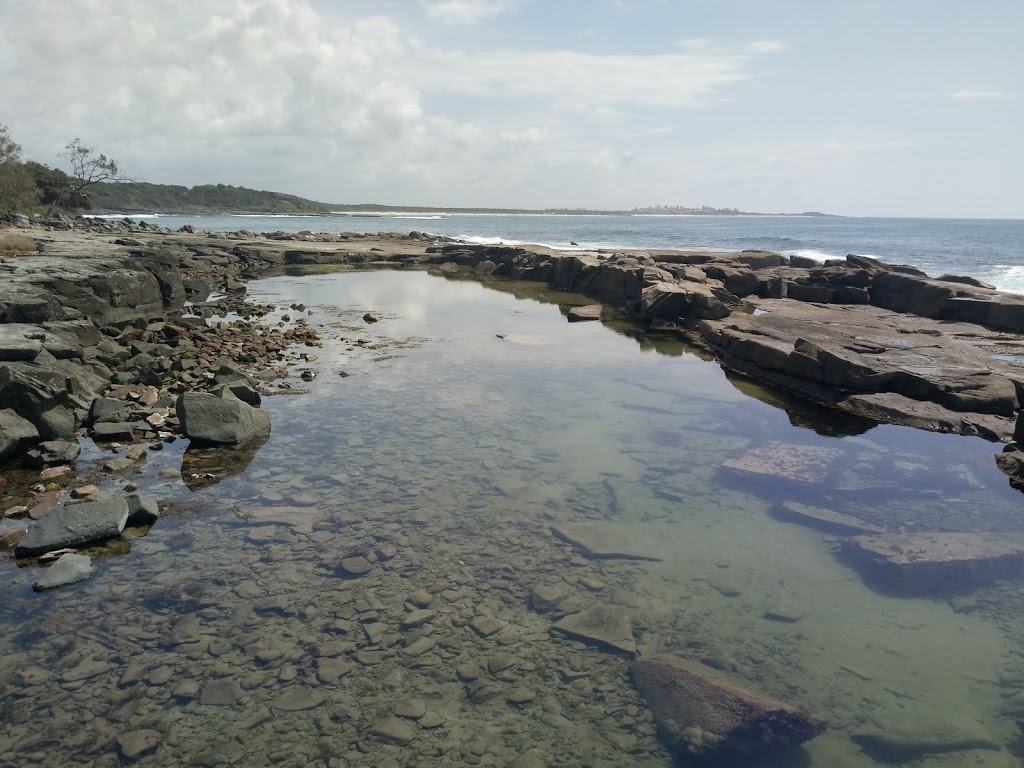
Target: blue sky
point(898, 108)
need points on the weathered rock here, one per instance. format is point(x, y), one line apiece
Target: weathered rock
point(55, 452)
point(546, 598)
point(373, 317)
point(601, 540)
point(298, 699)
point(393, 730)
point(68, 569)
point(356, 566)
point(15, 433)
point(606, 626)
point(584, 314)
point(74, 524)
point(700, 713)
point(241, 390)
point(899, 737)
point(935, 563)
point(210, 420)
point(142, 510)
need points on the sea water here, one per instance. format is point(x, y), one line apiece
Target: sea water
point(988, 249)
point(442, 444)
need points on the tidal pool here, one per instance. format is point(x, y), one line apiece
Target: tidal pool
point(469, 421)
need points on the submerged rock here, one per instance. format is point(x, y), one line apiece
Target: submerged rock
point(700, 713)
point(584, 314)
point(601, 541)
point(607, 626)
point(68, 569)
point(935, 563)
point(805, 464)
point(900, 737)
point(821, 519)
point(75, 523)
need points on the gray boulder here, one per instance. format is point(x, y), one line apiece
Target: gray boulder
point(55, 452)
point(15, 432)
point(74, 524)
point(68, 569)
point(700, 713)
point(226, 420)
point(142, 510)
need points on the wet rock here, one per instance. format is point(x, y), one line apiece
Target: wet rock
point(584, 314)
point(74, 524)
point(135, 744)
point(52, 473)
point(142, 510)
point(210, 420)
point(700, 713)
point(417, 619)
point(546, 598)
point(602, 541)
point(84, 491)
point(393, 730)
point(410, 709)
point(899, 737)
point(935, 563)
point(55, 452)
point(606, 626)
point(356, 566)
point(299, 699)
point(784, 612)
point(68, 569)
point(821, 519)
point(420, 598)
point(220, 693)
point(805, 464)
point(9, 538)
point(485, 626)
point(239, 389)
point(373, 317)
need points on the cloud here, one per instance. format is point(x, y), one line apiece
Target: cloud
point(275, 95)
point(466, 12)
point(969, 94)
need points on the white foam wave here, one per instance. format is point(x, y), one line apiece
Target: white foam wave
point(810, 253)
point(419, 218)
point(123, 215)
point(1007, 277)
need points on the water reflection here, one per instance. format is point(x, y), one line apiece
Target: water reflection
point(378, 584)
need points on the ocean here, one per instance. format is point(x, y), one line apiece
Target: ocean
point(991, 250)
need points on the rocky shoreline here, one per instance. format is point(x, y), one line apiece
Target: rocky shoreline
point(135, 337)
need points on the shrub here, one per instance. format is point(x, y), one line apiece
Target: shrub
point(16, 244)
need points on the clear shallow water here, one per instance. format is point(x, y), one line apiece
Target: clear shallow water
point(988, 249)
point(447, 453)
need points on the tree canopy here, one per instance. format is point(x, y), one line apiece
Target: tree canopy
point(17, 189)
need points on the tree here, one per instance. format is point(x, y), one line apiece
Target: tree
point(87, 169)
point(18, 192)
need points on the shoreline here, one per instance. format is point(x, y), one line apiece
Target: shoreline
point(839, 333)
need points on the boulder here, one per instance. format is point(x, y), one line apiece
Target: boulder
point(15, 433)
point(142, 510)
point(935, 564)
point(55, 452)
point(20, 342)
point(699, 713)
point(210, 420)
point(584, 314)
point(68, 569)
point(74, 524)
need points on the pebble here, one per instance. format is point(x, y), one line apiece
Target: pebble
point(356, 566)
point(485, 626)
point(411, 709)
point(85, 491)
point(420, 598)
point(393, 730)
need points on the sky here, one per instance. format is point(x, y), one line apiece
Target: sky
point(861, 108)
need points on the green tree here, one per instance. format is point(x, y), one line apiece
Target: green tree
point(18, 193)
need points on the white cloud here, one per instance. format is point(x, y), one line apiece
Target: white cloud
point(969, 94)
point(275, 95)
point(466, 12)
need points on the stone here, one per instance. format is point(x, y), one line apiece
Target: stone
point(356, 566)
point(417, 619)
point(239, 389)
point(55, 452)
point(135, 744)
point(935, 564)
point(15, 433)
point(68, 569)
point(53, 473)
point(19, 341)
point(105, 432)
point(899, 737)
point(584, 314)
point(392, 730)
point(602, 541)
point(220, 693)
point(84, 491)
point(485, 626)
point(75, 524)
point(210, 420)
point(699, 713)
point(410, 709)
point(606, 626)
point(826, 520)
point(420, 598)
point(804, 464)
point(373, 317)
point(546, 598)
point(299, 699)
point(142, 510)
point(784, 612)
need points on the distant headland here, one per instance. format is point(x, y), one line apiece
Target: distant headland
point(143, 198)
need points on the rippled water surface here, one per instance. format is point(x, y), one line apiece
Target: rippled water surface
point(471, 420)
